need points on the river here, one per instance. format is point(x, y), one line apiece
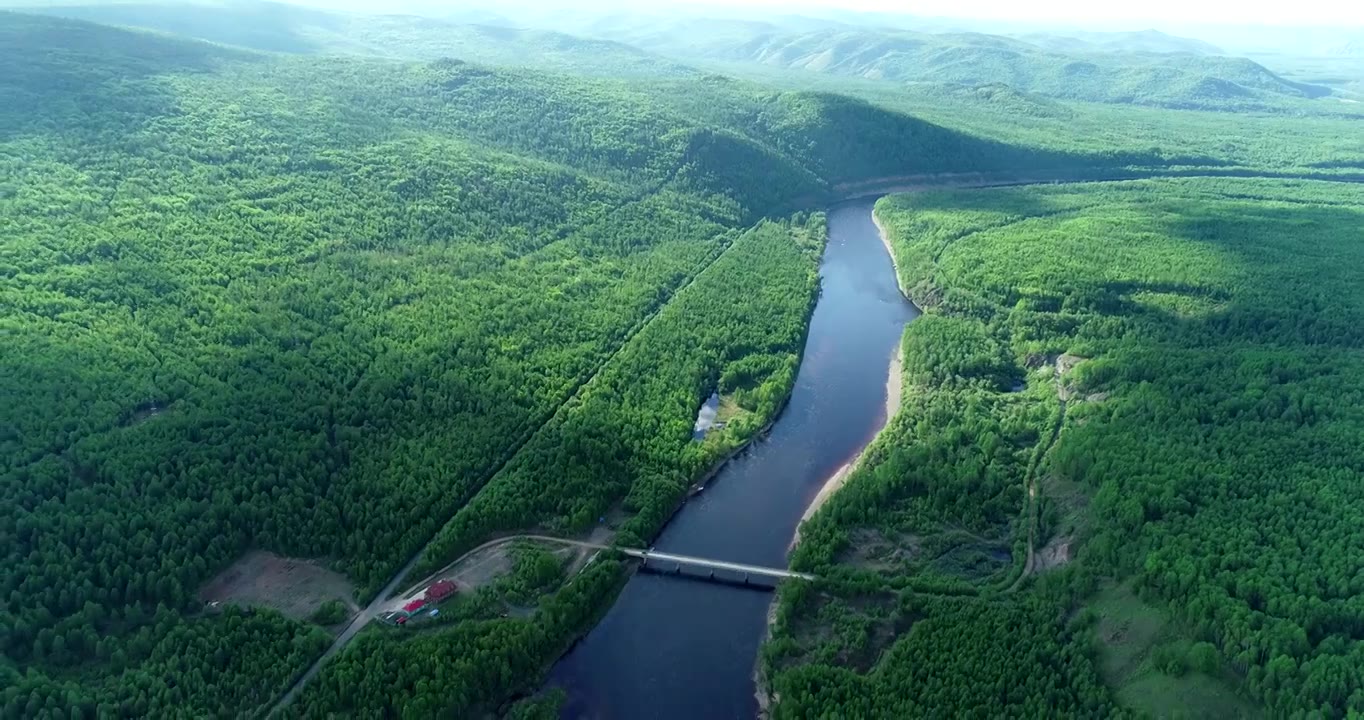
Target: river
point(674, 648)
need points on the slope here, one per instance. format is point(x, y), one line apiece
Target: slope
point(280, 27)
point(311, 304)
point(1165, 80)
point(1141, 41)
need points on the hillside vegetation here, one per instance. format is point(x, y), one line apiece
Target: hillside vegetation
point(368, 290)
point(284, 28)
point(313, 304)
point(1172, 410)
point(1178, 81)
point(1142, 41)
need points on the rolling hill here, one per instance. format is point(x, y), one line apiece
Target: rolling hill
point(1142, 41)
point(1091, 69)
point(294, 29)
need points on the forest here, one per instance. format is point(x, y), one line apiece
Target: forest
point(1186, 395)
point(623, 441)
point(367, 292)
point(247, 307)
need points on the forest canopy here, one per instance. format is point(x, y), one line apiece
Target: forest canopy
point(367, 310)
point(1185, 430)
point(313, 304)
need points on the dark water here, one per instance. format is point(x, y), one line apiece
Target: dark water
point(685, 649)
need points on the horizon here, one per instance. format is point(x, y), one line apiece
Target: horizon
point(1147, 16)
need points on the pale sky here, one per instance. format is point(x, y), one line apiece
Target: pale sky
point(1230, 12)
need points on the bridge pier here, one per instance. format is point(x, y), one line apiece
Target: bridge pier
point(737, 574)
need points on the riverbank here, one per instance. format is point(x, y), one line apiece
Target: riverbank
point(835, 482)
point(894, 387)
point(894, 264)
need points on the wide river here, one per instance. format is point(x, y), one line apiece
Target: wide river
point(677, 648)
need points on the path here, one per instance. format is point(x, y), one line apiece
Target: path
point(356, 624)
point(363, 618)
point(1032, 481)
point(848, 191)
point(372, 610)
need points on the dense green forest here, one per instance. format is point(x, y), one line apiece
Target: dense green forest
point(364, 289)
point(312, 304)
point(1000, 88)
point(626, 436)
point(1176, 404)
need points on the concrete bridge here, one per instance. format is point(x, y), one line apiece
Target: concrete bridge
point(720, 571)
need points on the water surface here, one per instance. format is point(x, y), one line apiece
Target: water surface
point(684, 649)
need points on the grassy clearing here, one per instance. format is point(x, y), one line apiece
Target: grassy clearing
point(729, 410)
point(1137, 644)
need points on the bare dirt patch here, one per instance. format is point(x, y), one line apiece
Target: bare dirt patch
point(1056, 553)
point(1064, 364)
point(1067, 362)
point(872, 550)
point(484, 566)
point(293, 586)
point(144, 412)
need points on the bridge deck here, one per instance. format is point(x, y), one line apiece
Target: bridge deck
point(684, 559)
point(716, 564)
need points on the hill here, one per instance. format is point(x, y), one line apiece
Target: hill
point(1143, 41)
point(311, 305)
point(1088, 71)
point(285, 28)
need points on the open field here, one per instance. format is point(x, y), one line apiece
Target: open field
point(292, 586)
point(1131, 635)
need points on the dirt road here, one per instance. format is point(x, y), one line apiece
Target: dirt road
point(357, 623)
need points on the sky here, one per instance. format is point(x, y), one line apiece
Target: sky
point(1149, 12)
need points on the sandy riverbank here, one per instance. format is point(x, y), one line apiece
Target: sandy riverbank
point(834, 483)
point(894, 386)
point(895, 265)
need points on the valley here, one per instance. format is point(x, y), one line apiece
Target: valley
point(301, 304)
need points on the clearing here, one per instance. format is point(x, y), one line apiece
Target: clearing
point(492, 561)
point(295, 587)
point(1134, 639)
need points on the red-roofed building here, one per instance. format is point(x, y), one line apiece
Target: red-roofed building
point(440, 590)
point(414, 606)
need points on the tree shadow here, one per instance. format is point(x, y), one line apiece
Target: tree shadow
point(57, 74)
point(1299, 290)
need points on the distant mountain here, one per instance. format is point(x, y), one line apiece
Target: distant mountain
point(1353, 48)
point(278, 27)
point(1144, 41)
point(1180, 80)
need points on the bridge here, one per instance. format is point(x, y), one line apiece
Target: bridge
point(695, 568)
point(699, 568)
point(705, 569)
